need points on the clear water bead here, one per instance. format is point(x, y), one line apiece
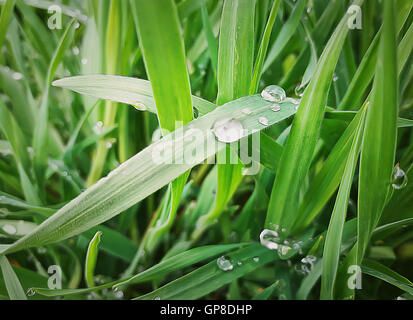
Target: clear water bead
point(9, 229)
point(275, 107)
point(283, 250)
point(228, 130)
point(269, 239)
point(263, 121)
point(299, 91)
point(225, 264)
point(399, 178)
point(256, 259)
point(246, 111)
point(273, 93)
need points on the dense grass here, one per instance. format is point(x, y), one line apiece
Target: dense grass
point(83, 109)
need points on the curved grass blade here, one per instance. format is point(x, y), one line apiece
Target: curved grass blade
point(235, 63)
point(136, 92)
point(380, 271)
point(333, 240)
point(210, 277)
point(14, 288)
point(377, 159)
point(150, 170)
point(91, 258)
point(262, 51)
point(41, 128)
point(298, 151)
point(178, 262)
point(285, 34)
point(5, 17)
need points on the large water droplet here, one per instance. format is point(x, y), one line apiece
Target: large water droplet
point(299, 91)
point(224, 263)
point(269, 239)
point(273, 93)
point(399, 178)
point(10, 229)
point(256, 259)
point(228, 130)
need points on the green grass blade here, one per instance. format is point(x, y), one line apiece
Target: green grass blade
point(235, 63)
point(91, 258)
point(377, 159)
point(333, 240)
point(41, 129)
point(210, 277)
point(117, 192)
point(262, 51)
point(298, 152)
point(285, 34)
point(5, 17)
point(380, 271)
point(14, 288)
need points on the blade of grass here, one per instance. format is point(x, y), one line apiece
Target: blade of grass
point(235, 63)
point(91, 258)
point(41, 128)
point(377, 159)
point(332, 245)
point(298, 152)
point(14, 288)
point(117, 192)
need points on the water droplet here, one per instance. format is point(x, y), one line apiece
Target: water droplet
point(77, 25)
point(41, 250)
point(10, 229)
point(239, 263)
point(228, 130)
point(273, 93)
point(140, 106)
point(17, 76)
point(306, 265)
point(108, 145)
point(283, 250)
point(157, 298)
point(118, 294)
point(308, 9)
point(263, 121)
point(246, 111)
point(76, 51)
point(256, 259)
point(335, 78)
point(269, 239)
point(299, 90)
point(84, 61)
point(275, 107)
point(224, 263)
point(399, 178)
point(97, 128)
point(30, 292)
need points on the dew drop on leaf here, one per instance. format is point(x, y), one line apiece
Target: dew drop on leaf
point(10, 229)
point(224, 263)
point(263, 121)
point(273, 93)
point(399, 178)
point(228, 130)
point(275, 107)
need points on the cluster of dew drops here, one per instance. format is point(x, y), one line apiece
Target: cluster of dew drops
point(229, 130)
